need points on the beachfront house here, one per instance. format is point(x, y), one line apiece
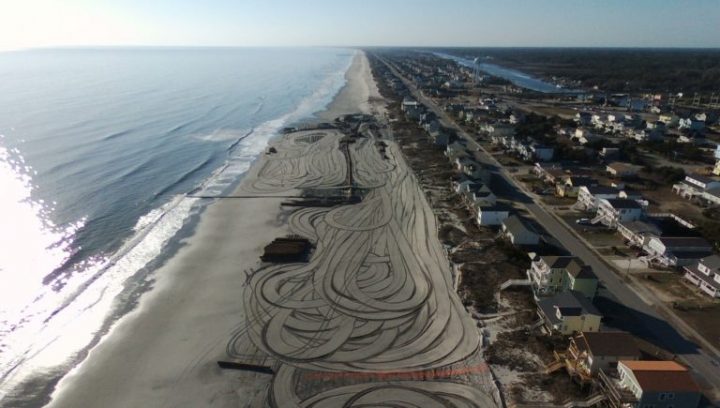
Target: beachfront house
point(455, 150)
point(492, 215)
point(590, 352)
point(645, 384)
point(439, 137)
point(463, 185)
point(519, 232)
point(550, 275)
point(705, 274)
point(473, 169)
point(479, 195)
point(569, 312)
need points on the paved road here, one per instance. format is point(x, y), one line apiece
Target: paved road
point(642, 318)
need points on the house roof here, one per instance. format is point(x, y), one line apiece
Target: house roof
point(624, 203)
point(622, 167)
point(709, 280)
point(642, 365)
point(701, 179)
point(570, 303)
point(583, 272)
point(712, 262)
point(713, 191)
point(618, 344)
point(558, 262)
point(642, 227)
point(684, 242)
point(497, 207)
point(578, 181)
point(516, 226)
point(602, 190)
point(661, 376)
point(573, 265)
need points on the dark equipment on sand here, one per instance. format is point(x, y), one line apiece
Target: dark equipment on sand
point(289, 249)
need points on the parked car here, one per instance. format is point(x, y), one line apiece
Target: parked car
point(583, 221)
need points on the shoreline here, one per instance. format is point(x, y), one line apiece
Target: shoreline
point(358, 95)
point(158, 353)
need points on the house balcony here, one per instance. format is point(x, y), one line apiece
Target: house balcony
point(537, 276)
point(617, 396)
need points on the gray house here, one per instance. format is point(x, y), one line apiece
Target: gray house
point(518, 232)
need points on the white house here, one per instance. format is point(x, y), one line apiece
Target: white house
point(706, 275)
point(616, 210)
point(589, 196)
point(491, 215)
point(675, 251)
point(657, 384)
point(694, 185)
point(637, 233)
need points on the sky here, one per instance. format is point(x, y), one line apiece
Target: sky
point(533, 23)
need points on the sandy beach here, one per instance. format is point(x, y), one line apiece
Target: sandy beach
point(360, 93)
point(371, 315)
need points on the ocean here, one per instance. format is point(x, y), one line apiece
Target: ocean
point(99, 149)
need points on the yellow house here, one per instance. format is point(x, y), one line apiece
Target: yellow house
point(569, 312)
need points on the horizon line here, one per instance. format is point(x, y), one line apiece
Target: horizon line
point(559, 47)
